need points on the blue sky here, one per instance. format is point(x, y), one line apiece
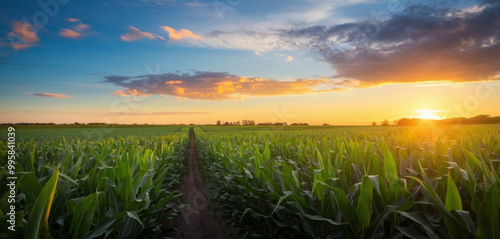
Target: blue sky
point(245, 59)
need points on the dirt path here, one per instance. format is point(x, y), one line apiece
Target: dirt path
point(197, 219)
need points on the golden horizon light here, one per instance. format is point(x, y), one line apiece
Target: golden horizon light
point(428, 114)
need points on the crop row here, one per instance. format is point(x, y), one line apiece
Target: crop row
point(356, 183)
point(117, 187)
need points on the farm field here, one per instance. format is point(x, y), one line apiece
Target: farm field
point(262, 182)
point(71, 186)
point(90, 131)
point(242, 119)
point(355, 182)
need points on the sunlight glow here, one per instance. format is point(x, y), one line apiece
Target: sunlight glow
point(428, 114)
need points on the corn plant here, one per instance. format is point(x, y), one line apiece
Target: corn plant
point(395, 182)
point(116, 187)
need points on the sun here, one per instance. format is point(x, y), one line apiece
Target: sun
point(428, 114)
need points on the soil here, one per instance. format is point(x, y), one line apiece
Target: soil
point(197, 220)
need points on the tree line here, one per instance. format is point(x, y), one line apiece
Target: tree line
point(252, 123)
point(480, 119)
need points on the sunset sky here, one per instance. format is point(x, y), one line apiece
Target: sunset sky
point(170, 61)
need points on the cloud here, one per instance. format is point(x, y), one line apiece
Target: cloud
point(22, 36)
point(257, 40)
point(195, 4)
point(79, 30)
point(69, 33)
point(181, 34)
point(135, 33)
point(82, 27)
point(289, 58)
point(420, 44)
point(129, 92)
point(215, 85)
point(51, 95)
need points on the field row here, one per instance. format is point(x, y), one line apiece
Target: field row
point(356, 183)
point(304, 182)
point(116, 187)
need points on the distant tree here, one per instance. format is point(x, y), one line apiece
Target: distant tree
point(385, 123)
point(326, 124)
point(219, 123)
point(374, 123)
point(480, 117)
point(300, 123)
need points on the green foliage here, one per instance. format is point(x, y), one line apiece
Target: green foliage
point(394, 182)
point(113, 187)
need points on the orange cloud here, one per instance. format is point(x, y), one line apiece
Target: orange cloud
point(120, 93)
point(52, 95)
point(76, 31)
point(217, 86)
point(135, 33)
point(181, 34)
point(82, 27)
point(23, 36)
point(69, 33)
point(129, 93)
point(173, 82)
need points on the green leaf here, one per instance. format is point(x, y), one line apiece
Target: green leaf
point(266, 154)
point(39, 215)
point(422, 221)
point(82, 216)
point(453, 200)
point(390, 168)
point(364, 208)
point(489, 214)
point(100, 229)
point(134, 216)
point(29, 185)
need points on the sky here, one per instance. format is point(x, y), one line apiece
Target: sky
point(171, 61)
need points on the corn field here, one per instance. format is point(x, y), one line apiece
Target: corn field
point(381, 182)
point(288, 182)
point(116, 187)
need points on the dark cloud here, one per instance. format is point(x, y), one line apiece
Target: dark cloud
point(214, 85)
point(419, 44)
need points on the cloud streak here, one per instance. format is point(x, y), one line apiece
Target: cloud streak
point(129, 93)
point(69, 33)
point(135, 34)
point(51, 95)
point(215, 86)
